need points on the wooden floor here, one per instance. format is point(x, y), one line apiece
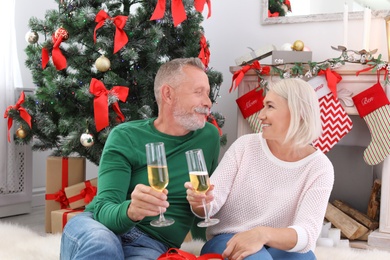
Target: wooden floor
point(34, 220)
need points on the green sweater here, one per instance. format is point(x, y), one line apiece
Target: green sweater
point(123, 166)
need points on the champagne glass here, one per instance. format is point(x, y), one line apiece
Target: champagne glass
point(158, 176)
point(200, 181)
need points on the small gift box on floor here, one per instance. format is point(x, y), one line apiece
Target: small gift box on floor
point(61, 172)
point(81, 193)
point(60, 217)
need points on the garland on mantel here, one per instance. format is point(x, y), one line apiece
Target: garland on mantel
point(307, 70)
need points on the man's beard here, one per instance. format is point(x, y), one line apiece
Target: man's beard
point(191, 121)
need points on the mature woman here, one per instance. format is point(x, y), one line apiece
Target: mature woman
point(271, 189)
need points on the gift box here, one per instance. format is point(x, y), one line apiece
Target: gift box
point(81, 193)
point(258, 54)
point(280, 57)
point(61, 172)
point(60, 217)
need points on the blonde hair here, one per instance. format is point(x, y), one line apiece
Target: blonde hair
point(171, 73)
point(305, 123)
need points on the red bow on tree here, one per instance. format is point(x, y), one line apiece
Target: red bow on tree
point(276, 14)
point(199, 5)
point(332, 78)
point(100, 103)
point(239, 75)
point(59, 59)
point(22, 112)
point(120, 39)
point(177, 9)
point(204, 54)
point(210, 118)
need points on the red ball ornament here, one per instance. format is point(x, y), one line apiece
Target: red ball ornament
point(61, 32)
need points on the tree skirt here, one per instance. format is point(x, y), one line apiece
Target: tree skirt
point(19, 242)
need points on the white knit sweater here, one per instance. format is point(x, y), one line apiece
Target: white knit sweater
point(254, 188)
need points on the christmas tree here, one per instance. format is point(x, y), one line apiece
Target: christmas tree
point(94, 63)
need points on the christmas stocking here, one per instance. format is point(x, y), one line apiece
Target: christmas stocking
point(373, 106)
point(250, 105)
point(335, 121)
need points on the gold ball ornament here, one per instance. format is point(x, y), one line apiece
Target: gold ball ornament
point(103, 63)
point(86, 140)
point(21, 133)
point(61, 32)
point(32, 37)
point(298, 45)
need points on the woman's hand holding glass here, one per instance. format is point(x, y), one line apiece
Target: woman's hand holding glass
point(200, 183)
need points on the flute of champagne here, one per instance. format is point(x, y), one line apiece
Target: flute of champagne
point(158, 176)
point(200, 181)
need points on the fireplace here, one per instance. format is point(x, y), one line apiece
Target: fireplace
point(353, 177)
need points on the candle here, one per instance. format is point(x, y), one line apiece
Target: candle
point(325, 242)
point(345, 25)
point(366, 28)
point(334, 234)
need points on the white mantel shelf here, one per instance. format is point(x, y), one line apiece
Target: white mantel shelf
point(354, 84)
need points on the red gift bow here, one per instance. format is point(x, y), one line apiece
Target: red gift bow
point(239, 75)
point(332, 78)
point(204, 54)
point(100, 103)
point(22, 112)
point(60, 197)
point(212, 120)
point(59, 59)
point(120, 38)
point(87, 193)
point(177, 254)
point(199, 5)
point(177, 8)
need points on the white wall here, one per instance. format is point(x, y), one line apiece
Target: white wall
point(233, 27)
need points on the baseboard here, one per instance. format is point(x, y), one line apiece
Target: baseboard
point(38, 197)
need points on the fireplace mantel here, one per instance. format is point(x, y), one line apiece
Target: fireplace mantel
point(353, 84)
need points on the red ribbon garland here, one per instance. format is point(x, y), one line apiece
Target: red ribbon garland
point(100, 103)
point(177, 9)
point(204, 54)
point(332, 79)
point(87, 193)
point(60, 195)
point(59, 59)
point(22, 112)
point(199, 5)
point(120, 38)
point(239, 75)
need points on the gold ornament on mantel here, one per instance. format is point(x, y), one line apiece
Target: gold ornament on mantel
point(298, 45)
point(102, 64)
point(21, 133)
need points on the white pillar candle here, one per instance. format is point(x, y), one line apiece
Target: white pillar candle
point(343, 243)
point(334, 234)
point(345, 19)
point(366, 28)
point(325, 242)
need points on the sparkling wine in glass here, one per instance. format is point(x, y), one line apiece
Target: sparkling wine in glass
point(158, 176)
point(200, 181)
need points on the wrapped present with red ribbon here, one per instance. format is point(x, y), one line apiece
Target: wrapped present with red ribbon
point(61, 172)
point(60, 217)
point(81, 193)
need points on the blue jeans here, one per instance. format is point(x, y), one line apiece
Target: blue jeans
point(218, 244)
point(85, 238)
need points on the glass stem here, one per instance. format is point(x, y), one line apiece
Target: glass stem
point(206, 211)
point(162, 218)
